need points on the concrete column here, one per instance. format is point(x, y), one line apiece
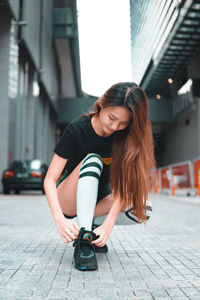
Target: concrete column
point(51, 136)
point(45, 130)
point(13, 89)
point(21, 114)
point(38, 126)
point(30, 118)
point(53, 133)
point(4, 100)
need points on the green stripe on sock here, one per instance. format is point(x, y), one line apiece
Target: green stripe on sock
point(91, 174)
point(92, 164)
point(93, 155)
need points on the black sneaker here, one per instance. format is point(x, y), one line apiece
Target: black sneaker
point(103, 249)
point(84, 252)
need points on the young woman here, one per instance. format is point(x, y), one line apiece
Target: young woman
point(101, 166)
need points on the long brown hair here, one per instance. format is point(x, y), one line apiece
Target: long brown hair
point(132, 148)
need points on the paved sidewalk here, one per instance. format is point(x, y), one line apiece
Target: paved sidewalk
point(159, 261)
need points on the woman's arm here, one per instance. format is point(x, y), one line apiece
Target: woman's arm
point(105, 229)
point(114, 212)
point(67, 229)
point(53, 174)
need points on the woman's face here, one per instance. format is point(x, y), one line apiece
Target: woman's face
point(114, 118)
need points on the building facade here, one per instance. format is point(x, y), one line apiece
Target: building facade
point(38, 67)
point(165, 62)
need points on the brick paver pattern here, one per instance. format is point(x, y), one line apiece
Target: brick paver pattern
point(158, 261)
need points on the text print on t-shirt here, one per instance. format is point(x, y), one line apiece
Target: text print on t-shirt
point(106, 160)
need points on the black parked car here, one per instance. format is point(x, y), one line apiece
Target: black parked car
point(24, 175)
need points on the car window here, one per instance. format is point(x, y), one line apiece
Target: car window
point(34, 164)
point(44, 167)
point(18, 164)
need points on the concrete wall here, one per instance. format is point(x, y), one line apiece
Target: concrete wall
point(45, 129)
point(14, 5)
point(27, 121)
point(37, 36)
point(68, 89)
point(30, 118)
point(182, 139)
point(160, 111)
point(49, 75)
point(71, 108)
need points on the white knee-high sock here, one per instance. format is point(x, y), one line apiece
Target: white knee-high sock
point(87, 189)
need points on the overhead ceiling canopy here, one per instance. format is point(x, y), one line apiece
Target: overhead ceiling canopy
point(181, 43)
point(65, 33)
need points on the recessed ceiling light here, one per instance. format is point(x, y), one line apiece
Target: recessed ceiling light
point(170, 80)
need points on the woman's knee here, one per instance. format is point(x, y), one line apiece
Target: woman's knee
point(92, 165)
point(93, 157)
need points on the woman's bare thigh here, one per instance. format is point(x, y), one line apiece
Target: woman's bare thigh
point(67, 191)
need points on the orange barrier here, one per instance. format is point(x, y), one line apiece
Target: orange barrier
point(196, 167)
point(157, 181)
point(181, 176)
point(199, 183)
point(165, 178)
point(176, 179)
point(173, 186)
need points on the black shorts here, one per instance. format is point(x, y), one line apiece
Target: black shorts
point(103, 191)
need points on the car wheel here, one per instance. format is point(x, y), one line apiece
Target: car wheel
point(17, 192)
point(6, 191)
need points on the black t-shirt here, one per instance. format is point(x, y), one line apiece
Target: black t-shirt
point(80, 139)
